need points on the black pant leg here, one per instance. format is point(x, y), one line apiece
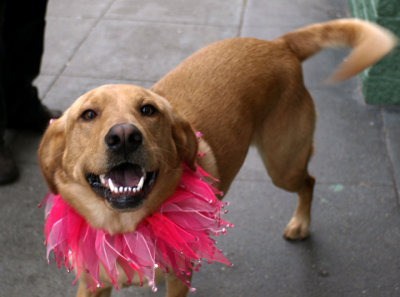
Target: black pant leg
point(23, 34)
point(3, 109)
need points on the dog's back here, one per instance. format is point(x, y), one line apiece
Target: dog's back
point(233, 85)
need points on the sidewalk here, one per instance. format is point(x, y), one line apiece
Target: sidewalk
point(354, 247)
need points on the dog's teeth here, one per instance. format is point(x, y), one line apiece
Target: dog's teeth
point(126, 189)
point(121, 189)
point(102, 179)
point(140, 184)
point(129, 189)
point(111, 185)
point(113, 188)
point(134, 190)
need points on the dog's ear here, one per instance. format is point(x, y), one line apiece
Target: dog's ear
point(185, 141)
point(51, 151)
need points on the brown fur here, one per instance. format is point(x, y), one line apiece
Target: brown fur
point(237, 92)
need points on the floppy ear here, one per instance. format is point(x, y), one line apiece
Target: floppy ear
point(51, 151)
point(185, 141)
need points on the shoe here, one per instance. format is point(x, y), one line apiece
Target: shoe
point(8, 168)
point(37, 121)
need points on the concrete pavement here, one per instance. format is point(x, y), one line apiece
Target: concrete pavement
point(354, 247)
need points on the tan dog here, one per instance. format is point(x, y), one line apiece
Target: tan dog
point(236, 92)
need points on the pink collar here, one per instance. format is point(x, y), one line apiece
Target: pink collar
point(175, 237)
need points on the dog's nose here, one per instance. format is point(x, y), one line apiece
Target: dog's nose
point(123, 138)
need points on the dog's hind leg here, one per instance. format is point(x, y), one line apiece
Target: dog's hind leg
point(297, 228)
point(285, 143)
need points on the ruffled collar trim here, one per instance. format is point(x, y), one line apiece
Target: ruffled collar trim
point(177, 237)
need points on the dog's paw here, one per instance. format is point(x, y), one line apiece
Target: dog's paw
point(297, 229)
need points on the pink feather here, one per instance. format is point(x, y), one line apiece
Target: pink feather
point(175, 237)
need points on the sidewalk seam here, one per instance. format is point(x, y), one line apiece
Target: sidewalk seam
point(242, 15)
point(97, 21)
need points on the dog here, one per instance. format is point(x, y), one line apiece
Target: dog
point(237, 92)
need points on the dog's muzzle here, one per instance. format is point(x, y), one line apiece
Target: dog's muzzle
point(126, 184)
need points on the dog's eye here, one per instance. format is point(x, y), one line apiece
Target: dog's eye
point(88, 115)
point(148, 110)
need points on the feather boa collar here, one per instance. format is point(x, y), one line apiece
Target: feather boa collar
point(175, 237)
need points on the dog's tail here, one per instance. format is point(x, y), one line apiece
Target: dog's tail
point(370, 43)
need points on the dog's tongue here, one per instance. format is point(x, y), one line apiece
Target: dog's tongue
point(125, 175)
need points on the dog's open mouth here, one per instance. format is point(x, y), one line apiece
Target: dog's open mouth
point(125, 186)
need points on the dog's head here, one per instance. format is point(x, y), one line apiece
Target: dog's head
point(115, 155)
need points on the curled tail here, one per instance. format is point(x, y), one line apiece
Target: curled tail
point(370, 43)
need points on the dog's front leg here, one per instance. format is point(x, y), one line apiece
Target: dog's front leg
point(83, 291)
point(175, 287)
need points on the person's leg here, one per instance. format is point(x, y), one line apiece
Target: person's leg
point(8, 168)
point(3, 110)
point(24, 42)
